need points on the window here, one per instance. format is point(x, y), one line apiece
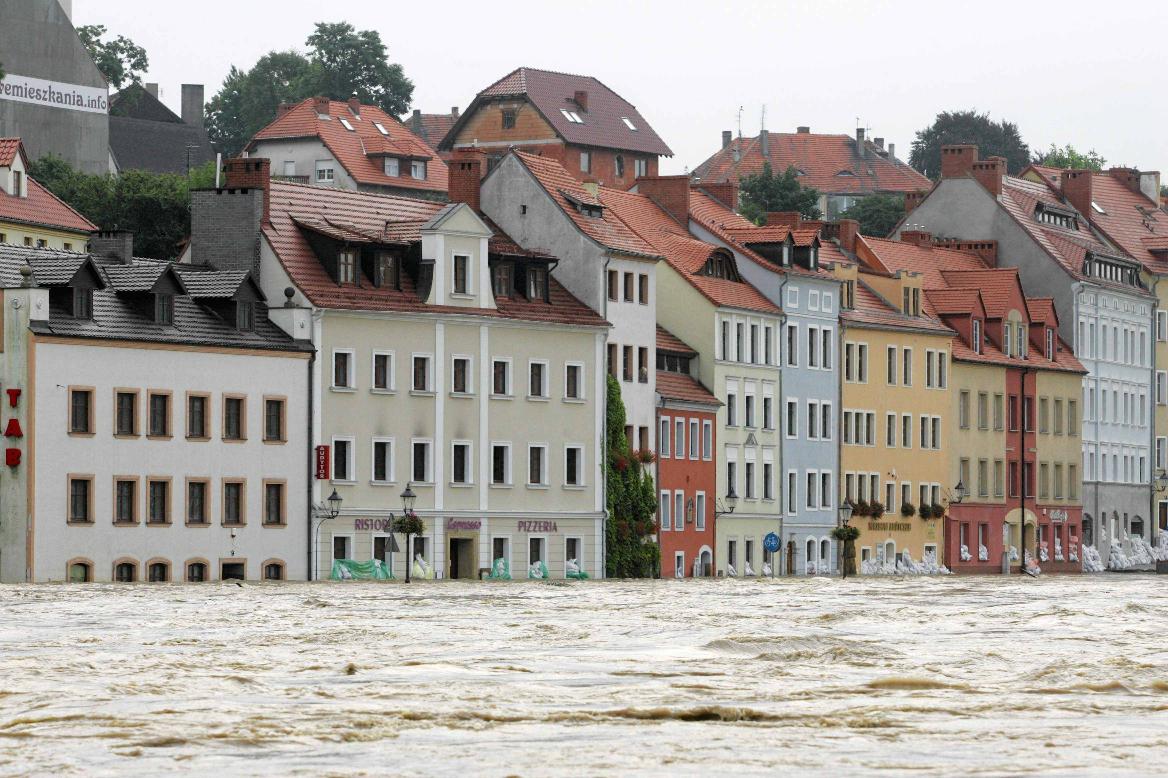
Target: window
point(382, 460)
point(890, 370)
point(82, 300)
point(383, 374)
point(998, 406)
point(80, 499)
point(501, 280)
point(501, 377)
point(679, 438)
point(825, 494)
point(274, 431)
point(461, 273)
point(245, 315)
point(501, 464)
point(164, 309)
point(666, 506)
point(613, 285)
point(196, 572)
point(536, 465)
point(663, 446)
point(640, 166)
point(999, 483)
point(792, 493)
point(643, 289)
point(906, 431)
point(731, 473)
point(421, 467)
point(574, 466)
point(343, 369)
point(793, 345)
point(508, 118)
point(573, 382)
point(233, 505)
point(342, 459)
point(628, 287)
point(731, 407)
point(693, 438)
point(619, 165)
point(768, 479)
point(963, 410)
point(274, 571)
point(80, 411)
point(700, 511)
point(420, 376)
point(906, 367)
point(126, 572)
point(585, 162)
point(392, 166)
point(274, 514)
point(234, 417)
point(793, 419)
point(812, 491)
point(643, 365)
point(125, 500)
point(158, 499)
point(983, 409)
point(460, 375)
point(976, 338)
point(707, 440)
point(890, 429)
point(196, 501)
point(813, 347)
point(159, 403)
point(418, 169)
point(812, 419)
point(537, 379)
point(571, 116)
point(537, 283)
point(347, 267)
point(197, 416)
point(768, 414)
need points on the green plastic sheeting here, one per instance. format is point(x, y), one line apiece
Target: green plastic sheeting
point(573, 570)
point(500, 570)
point(351, 570)
point(537, 572)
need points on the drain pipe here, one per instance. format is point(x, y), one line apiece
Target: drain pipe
point(311, 461)
point(1026, 418)
point(603, 401)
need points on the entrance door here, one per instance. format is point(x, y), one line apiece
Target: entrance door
point(462, 558)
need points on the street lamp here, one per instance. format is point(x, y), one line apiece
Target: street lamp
point(727, 507)
point(847, 536)
point(846, 512)
point(408, 499)
point(959, 492)
point(323, 513)
point(1161, 481)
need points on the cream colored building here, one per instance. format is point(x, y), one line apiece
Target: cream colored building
point(448, 360)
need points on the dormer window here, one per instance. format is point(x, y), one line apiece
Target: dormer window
point(461, 274)
point(501, 279)
point(720, 266)
point(814, 257)
point(392, 166)
point(17, 183)
point(536, 283)
point(1047, 214)
point(1050, 344)
point(82, 303)
point(245, 315)
point(1023, 345)
point(787, 254)
point(976, 339)
point(849, 293)
point(385, 271)
point(846, 174)
point(1008, 333)
point(418, 169)
point(347, 267)
point(164, 309)
point(911, 301)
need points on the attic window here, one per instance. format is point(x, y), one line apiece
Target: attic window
point(385, 271)
point(245, 315)
point(846, 174)
point(346, 125)
point(418, 170)
point(508, 118)
point(537, 283)
point(571, 116)
point(347, 267)
point(719, 266)
point(977, 338)
point(164, 309)
point(82, 303)
point(629, 123)
point(381, 128)
point(1097, 208)
point(1057, 217)
point(392, 166)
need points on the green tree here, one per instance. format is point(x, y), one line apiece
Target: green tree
point(1069, 158)
point(632, 499)
point(768, 191)
point(342, 61)
point(156, 207)
point(877, 214)
point(993, 139)
point(120, 60)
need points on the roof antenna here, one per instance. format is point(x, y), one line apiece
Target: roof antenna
point(764, 116)
point(740, 121)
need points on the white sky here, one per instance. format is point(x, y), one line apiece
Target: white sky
point(1089, 74)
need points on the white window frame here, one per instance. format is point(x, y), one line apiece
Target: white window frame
point(350, 463)
point(581, 481)
point(543, 467)
point(325, 170)
point(470, 469)
point(429, 372)
point(665, 511)
point(694, 443)
point(707, 440)
point(581, 382)
point(470, 375)
point(508, 469)
point(351, 371)
point(664, 436)
point(700, 511)
point(510, 393)
point(470, 286)
point(679, 447)
point(429, 464)
point(392, 387)
point(792, 492)
point(390, 466)
point(545, 388)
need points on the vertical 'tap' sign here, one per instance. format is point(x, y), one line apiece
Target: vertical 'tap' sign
point(12, 430)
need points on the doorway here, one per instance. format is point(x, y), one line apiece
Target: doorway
point(462, 563)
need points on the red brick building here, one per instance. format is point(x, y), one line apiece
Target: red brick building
point(592, 131)
point(685, 519)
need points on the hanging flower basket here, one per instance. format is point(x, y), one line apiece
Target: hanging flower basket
point(876, 509)
point(908, 510)
point(845, 533)
point(925, 511)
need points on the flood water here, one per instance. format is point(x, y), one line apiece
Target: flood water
point(924, 676)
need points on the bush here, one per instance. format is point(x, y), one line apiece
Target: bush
point(875, 509)
point(907, 509)
point(925, 511)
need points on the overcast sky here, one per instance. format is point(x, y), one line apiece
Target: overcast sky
point(1092, 75)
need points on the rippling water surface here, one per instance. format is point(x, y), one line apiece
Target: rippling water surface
point(928, 676)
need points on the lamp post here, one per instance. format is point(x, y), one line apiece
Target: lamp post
point(726, 508)
point(959, 493)
point(1160, 485)
point(408, 518)
point(849, 549)
point(326, 512)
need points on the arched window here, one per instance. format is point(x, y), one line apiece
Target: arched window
point(158, 572)
point(80, 572)
point(1088, 530)
point(1137, 527)
point(889, 553)
point(274, 571)
point(811, 546)
point(126, 572)
point(824, 554)
point(196, 572)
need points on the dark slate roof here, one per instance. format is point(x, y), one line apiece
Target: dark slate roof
point(57, 270)
point(134, 101)
point(120, 316)
point(203, 283)
point(157, 146)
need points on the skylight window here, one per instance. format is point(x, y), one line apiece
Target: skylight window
point(1097, 208)
point(381, 128)
point(571, 116)
point(846, 174)
point(346, 125)
point(628, 123)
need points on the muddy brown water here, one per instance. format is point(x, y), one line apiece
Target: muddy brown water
point(929, 676)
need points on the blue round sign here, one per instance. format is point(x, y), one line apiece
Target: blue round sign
point(771, 542)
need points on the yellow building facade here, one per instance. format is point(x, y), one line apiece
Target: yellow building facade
point(30, 215)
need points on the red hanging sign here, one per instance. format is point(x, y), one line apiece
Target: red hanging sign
point(322, 463)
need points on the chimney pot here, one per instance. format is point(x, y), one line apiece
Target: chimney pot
point(726, 137)
point(250, 173)
point(861, 149)
point(892, 151)
point(116, 244)
point(192, 104)
point(581, 98)
point(764, 138)
point(454, 111)
point(465, 178)
point(803, 130)
point(917, 237)
point(355, 105)
point(957, 160)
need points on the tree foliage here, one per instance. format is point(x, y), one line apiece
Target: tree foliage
point(1069, 158)
point(993, 139)
point(341, 61)
point(877, 214)
point(770, 191)
point(120, 60)
point(408, 524)
point(632, 500)
point(156, 207)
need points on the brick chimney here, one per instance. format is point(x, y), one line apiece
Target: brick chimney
point(581, 98)
point(1129, 177)
point(989, 173)
point(670, 193)
point(764, 141)
point(416, 121)
point(792, 219)
point(957, 161)
point(250, 173)
point(892, 151)
point(465, 177)
point(726, 193)
point(879, 143)
point(803, 130)
point(454, 111)
point(848, 230)
point(115, 244)
point(284, 108)
point(322, 105)
point(912, 200)
point(861, 147)
point(1077, 188)
point(987, 250)
point(726, 138)
point(355, 105)
point(916, 237)
point(192, 104)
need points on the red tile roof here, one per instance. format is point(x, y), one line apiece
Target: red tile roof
point(1130, 220)
point(667, 341)
point(684, 253)
point(430, 127)
point(44, 209)
point(353, 149)
point(929, 261)
point(1000, 287)
point(602, 124)
point(828, 163)
point(684, 388)
point(870, 308)
point(606, 230)
point(367, 214)
point(9, 147)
